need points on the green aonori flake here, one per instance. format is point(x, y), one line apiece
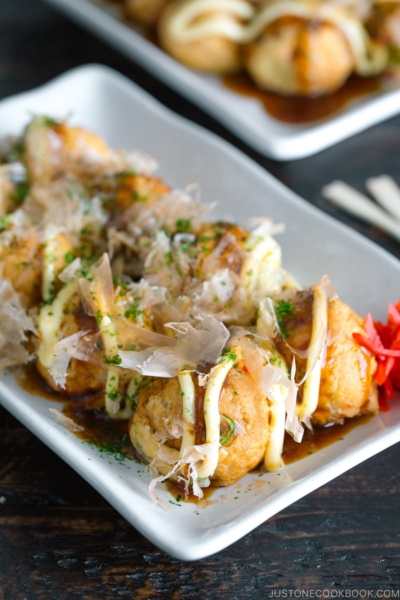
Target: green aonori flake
point(19, 193)
point(133, 312)
point(228, 354)
point(283, 309)
point(112, 360)
point(229, 435)
point(69, 257)
point(183, 225)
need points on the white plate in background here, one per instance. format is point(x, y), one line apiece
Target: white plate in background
point(245, 117)
point(365, 276)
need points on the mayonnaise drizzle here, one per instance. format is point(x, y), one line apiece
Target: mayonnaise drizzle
point(102, 304)
point(127, 411)
point(211, 412)
point(49, 324)
point(184, 27)
point(188, 409)
point(315, 357)
point(49, 257)
point(263, 252)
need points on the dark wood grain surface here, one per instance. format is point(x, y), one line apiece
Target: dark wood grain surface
point(60, 540)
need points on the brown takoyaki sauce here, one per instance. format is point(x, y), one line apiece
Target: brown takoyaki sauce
point(319, 438)
point(297, 109)
point(31, 381)
point(178, 492)
point(109, 435)
point(112, 436)
point(84, 321)
point(199, 425)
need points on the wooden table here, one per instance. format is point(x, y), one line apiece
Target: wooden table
point(60, 540)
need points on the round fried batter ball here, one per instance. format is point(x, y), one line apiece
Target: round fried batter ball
point(232, 239)
point(52, 150)
point(296, 57)
point(160, 405)
point(214, 53)
point(22, 260)
point(346, 389)
point(83, 378)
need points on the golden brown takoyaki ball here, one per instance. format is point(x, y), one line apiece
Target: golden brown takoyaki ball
point(214, 54)
point(242, 400)
point(83, 382)
point(83, 378)
point(160, 403)
point(231, 237)
point(297, 57)
point(23, 263)
point(346, 387)
point(54, 149)
point(145, 12)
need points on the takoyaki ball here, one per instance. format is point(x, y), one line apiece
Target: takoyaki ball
point(124, 195)
point(220, 245)
point(22, 258)
point(145, 12)
point(299, 57)
point(83, 378)
point(53, 149)
point(243, 401)
point(214, 53)
point(346, 387)
point(160, 404)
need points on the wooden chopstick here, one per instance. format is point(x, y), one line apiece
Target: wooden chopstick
point(386, 191)
point(362, 207)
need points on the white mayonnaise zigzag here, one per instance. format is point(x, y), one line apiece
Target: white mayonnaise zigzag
point(198, 19)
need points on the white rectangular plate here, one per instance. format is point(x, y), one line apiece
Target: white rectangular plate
point(246, 117)
point(365, 276)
